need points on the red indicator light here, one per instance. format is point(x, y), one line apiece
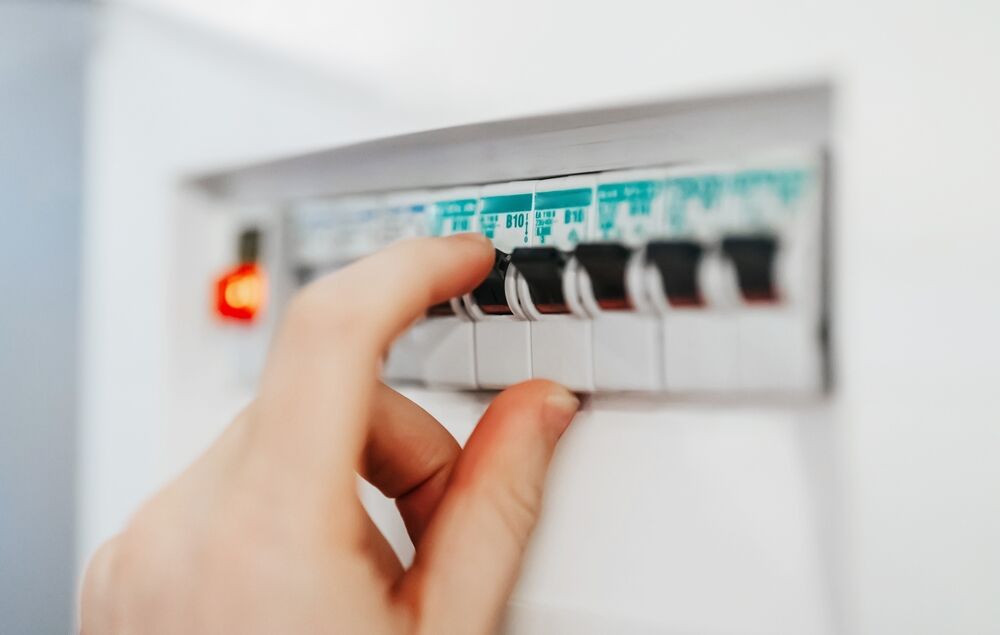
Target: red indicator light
point(240, 293)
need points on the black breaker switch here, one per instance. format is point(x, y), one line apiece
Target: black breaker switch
point(753, 257)
point(542, 268)
point(443, 309)
point(491, 295)
point(605, 264)
point(677, 262)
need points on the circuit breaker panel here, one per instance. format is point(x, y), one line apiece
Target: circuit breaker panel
point(687, 279)
point(676, 248)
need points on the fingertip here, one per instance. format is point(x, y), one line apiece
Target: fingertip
point(559, 408)
point(480, 247)
point(550, 404)
point(475, 238)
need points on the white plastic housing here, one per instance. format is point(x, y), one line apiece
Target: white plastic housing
point(561, 350)
point(562, 345)
point(445, 349)
point(779, 351)
point(503, 342)
point(444, 346)
point(700, 343)
point(780, 348)
point(405, 215)
point(626, 344)
point(634, 220)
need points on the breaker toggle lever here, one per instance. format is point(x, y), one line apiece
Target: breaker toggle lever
point(501, 329)
point(543, 270)
point(560, 328)
point(441, 310)
point(491, 295)
point(606, 265)
point(754, 258)
point(625, 330)
point(691, 286)
point(678, 263)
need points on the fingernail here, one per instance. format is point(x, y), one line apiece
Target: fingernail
point(559, 408)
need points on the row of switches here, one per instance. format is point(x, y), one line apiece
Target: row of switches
point(671, 315)
point(694, 279)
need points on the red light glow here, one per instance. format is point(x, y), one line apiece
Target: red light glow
point(240, 293)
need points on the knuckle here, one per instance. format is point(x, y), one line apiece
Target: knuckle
point(437, 455)
point(447, 455)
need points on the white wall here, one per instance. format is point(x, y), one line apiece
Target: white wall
point(916, 427)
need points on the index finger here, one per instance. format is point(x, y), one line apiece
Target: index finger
point(315, 394)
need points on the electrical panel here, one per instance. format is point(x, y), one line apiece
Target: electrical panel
point(677, 248)
point(703, 278)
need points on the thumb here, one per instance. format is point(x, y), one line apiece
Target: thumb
point(469, 557)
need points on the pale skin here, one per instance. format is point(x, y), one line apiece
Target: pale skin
point(264, 533)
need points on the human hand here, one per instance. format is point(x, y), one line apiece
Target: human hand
point(264, 533)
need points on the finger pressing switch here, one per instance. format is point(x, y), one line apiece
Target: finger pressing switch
point(437, 350)
point(443, 344)
point(502, 332)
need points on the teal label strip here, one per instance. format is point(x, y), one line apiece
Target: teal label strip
point(453, 217)
point(461, 207)
point(635, 196)
point(505, 219)
point(757, 190)
point(637, 193)
point(787, 184)
point(561, 216)
point(507, 203)
point(706, 190)
point(564, 198)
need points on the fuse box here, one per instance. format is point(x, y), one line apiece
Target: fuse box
point(638, 264)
